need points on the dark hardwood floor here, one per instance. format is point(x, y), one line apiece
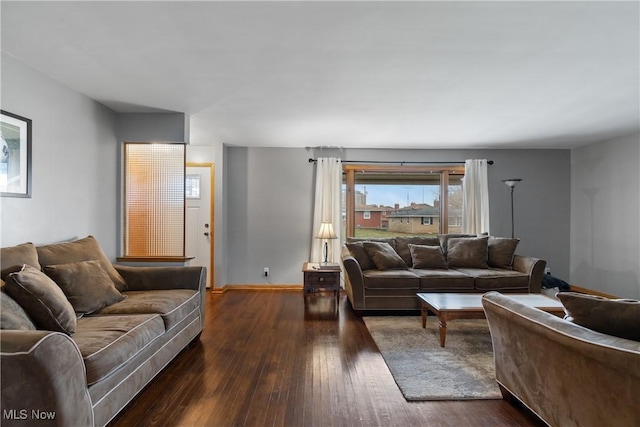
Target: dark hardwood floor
point(265, 360)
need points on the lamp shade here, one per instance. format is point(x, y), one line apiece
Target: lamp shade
point(326, 231)
point(511, 182)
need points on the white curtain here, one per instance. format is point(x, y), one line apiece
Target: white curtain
point(327, 206)
point(475, 197)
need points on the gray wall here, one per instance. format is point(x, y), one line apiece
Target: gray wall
point(269, 204)
point(605, 216)
point(268, 198)
point(75, 158)
point(145, 127)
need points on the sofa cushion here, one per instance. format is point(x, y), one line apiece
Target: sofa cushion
point(86, 285)
point(108, 342)
point(501, 251)
point(402, 246)
point(42, 299)
point(14, 257)
point(173, 304)
point(444, 280)
point(384, 256)
point(86, 249)
point(12, 316)
point(494, 279)
point(427, 257)
point(356, 249)
point(617, 317)
point(467, 252)
point(390, 279)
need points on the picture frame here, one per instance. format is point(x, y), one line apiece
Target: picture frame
point(15, 155)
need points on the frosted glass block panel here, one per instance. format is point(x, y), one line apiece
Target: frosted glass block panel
point(154, 199)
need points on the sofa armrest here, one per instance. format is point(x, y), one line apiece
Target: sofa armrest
point(565, 373)
point(159, 278)
point(534, 268)
point(354, 282)
point(43, 375)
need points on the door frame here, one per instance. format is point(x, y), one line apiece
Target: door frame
point(212, 168)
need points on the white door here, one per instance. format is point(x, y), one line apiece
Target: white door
point(199, 219)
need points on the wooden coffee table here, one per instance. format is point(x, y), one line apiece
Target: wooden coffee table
point(469, 306)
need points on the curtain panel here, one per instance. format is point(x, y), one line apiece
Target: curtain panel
point(475, 197)
point(327, 206)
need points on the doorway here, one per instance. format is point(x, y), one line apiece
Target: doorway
point(199, 216)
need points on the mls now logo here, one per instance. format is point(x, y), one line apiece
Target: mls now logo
point(24, 414)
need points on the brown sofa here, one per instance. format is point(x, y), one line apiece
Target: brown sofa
point(566, 373)
point(387, 273)
point(79, 342)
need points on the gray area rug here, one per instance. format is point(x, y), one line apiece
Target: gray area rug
point(423, 370)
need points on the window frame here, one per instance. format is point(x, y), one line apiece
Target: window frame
point(349, 171)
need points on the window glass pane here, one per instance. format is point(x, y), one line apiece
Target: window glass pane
point(154, 200)
point(192, 186)
point(391, 204)
point(455, 203)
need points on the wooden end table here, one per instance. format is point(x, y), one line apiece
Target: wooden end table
point(448, 306)
point(319, 277)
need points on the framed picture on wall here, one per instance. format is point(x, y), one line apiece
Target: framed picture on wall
point(15, 155)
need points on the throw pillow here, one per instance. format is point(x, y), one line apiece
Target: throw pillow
point(42, 299)
point(617, 317)
point(12, 316)
point(424, 256)
point(390, 240)
point(86, 249)
point(357, 251)
point(501, 252)
point(467, 252)
point(86, 285)
point(444, 239)
point(14, 257)
point(402, 246)
point(383, 256)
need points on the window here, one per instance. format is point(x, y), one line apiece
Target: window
point(418, 200)
point(192, 187)
point(154, 191)
point(366, 215)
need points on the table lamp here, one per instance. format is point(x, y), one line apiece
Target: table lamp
point(326, 232)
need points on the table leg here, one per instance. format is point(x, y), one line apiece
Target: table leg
point(442, 317)
point(424, 316)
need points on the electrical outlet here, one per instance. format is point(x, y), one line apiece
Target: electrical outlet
point(547, 270)
point(266, 272)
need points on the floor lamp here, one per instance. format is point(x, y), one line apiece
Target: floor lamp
point(511, 183)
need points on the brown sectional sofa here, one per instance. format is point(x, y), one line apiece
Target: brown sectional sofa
point(567, 373)
point(83, 368)
point(387, 273)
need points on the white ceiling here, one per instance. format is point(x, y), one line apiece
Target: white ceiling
point(350, 74)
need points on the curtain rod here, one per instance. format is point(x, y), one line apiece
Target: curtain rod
point(489, 162)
